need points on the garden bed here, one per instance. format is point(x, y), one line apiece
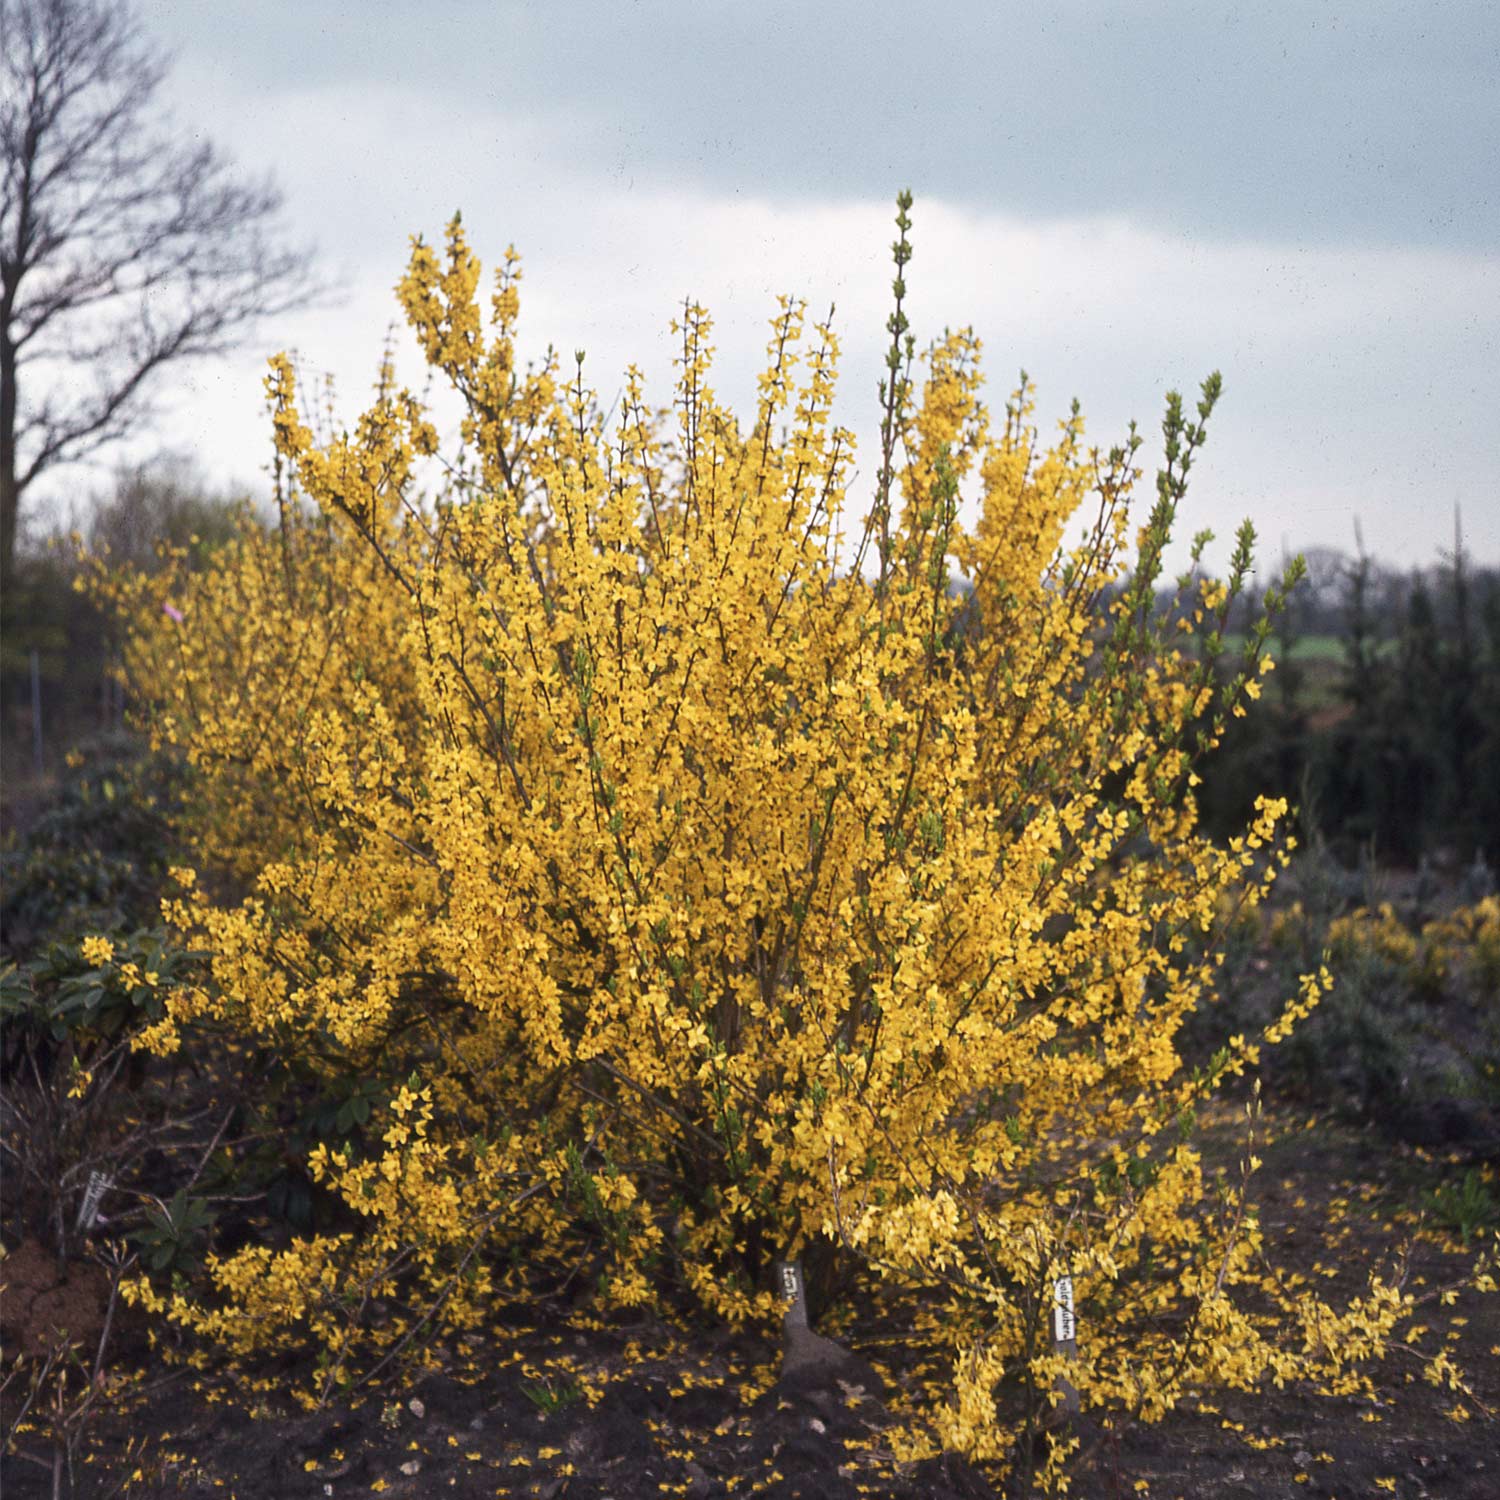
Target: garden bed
point(563, 1404)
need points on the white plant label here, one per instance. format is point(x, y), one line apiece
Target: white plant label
point(790, 1288)
point(793, 1292)
point(1064, 1325)
point(99, 1184)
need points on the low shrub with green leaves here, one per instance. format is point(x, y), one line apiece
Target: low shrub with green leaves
point(1409, 1035)
point(95, 858)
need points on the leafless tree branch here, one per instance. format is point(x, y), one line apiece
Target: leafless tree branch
point(124, 249)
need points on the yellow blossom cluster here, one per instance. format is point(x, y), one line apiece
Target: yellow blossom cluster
point(1380, 931)
point(709, 879)
point(1466, 938)
point(1469, 936)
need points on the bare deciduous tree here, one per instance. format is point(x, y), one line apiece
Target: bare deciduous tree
point(123, 250)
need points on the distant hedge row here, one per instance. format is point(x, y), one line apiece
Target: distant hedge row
point(1392, 746)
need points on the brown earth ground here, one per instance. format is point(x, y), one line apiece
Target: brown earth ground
point(561, 1406)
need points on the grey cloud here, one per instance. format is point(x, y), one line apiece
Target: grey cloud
point(1376, 123)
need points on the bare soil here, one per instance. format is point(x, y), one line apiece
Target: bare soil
point(559, 1404)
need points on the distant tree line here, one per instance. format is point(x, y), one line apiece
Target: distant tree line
point(1382, 719)
point(56, 648)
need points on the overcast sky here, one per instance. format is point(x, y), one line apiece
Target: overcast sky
point(1120, 197)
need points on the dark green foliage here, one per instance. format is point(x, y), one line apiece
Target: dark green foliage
point(1371, 1047)
point(80, 1098)
point(1414, 764)
point(61, 994)
point(43, 619)
point(174, 1232)
point(95, 857)
point(1397, 750)
point(152, 507)
point(1468, 1206)
point(1409, 1037)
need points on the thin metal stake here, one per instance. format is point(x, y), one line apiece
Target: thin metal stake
point(36, 709)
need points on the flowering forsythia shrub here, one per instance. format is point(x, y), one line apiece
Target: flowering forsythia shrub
point(707, 880)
